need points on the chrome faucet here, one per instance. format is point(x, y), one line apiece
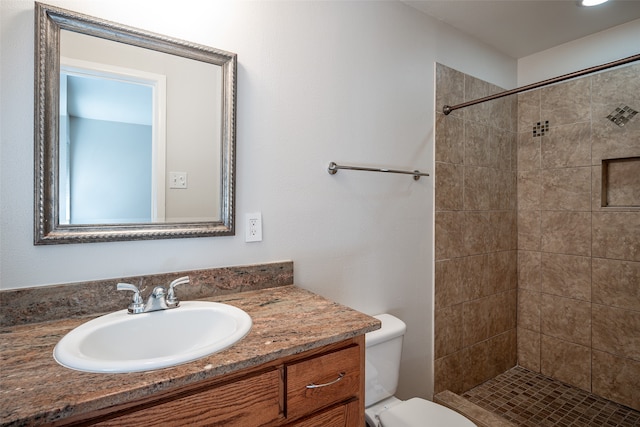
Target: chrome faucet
point(158, 299)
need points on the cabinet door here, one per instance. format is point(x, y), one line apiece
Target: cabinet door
point(250, 401)
point(321, 381)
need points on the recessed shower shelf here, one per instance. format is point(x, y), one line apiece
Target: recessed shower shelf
point(621, 182)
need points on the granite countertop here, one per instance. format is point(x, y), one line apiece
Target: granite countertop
point(287, 320)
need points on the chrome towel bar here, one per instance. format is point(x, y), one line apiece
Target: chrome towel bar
point(333, 169)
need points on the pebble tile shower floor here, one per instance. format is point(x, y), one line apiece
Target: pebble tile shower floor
point(530, 399)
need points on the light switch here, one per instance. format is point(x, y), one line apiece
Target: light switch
point(177, 180)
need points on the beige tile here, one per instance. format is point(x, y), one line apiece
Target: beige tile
point(503, 312)
point(616, 331)
point(566, 232)
point(568, 102)
point(566, 319)
point(488, 189)
point(449, 138)
point(529, 233)
point(487, 317)
point(478, 236)
point(449, 282)
point(448, 330)
point(528, 110)
point(529, 273)
point(566, 189)
point(502, 111)
point(448, 235)
point(612, 142)
point(503, 227)
point(566, 361)
point(566, 146)
point(474, 283)
point(448, 186)
point(504, 141)
point(477, 145)
point(449, 89)
point(502, 271)
point(596, 189)
point(476, 368)
point(479, 188)
point(529, 310)
point(529, 190)
point(566, 275)
point(528, 152)
point(616, 283)
point(616, 235)
point(529, 349)
point(614, 87)
point(502, 353)
point(448, 373)
point(475, 319)
point(616, 378)
point(504, 196)
point(514, 149)
point(475, 88)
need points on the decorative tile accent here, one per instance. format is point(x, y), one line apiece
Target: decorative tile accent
point(621, 115)
point(541, 128)
point(530, 399)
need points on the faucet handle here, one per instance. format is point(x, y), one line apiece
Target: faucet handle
point(172, 300)
point(137, 305)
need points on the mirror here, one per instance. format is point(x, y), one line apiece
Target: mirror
point(134, 133)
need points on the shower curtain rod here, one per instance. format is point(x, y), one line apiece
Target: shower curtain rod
point(448, 109)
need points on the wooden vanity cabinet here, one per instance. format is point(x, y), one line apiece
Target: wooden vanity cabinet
point(323, 387)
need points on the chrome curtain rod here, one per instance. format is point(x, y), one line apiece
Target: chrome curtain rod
point(333, 169)
point(448, 109)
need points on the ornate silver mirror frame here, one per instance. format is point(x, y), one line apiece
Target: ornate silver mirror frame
point(49, 21)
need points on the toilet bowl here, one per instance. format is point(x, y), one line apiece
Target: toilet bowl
point(382, 366)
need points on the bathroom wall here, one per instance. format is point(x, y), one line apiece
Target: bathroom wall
point(475, 234)
point(579, 261)
point(605, 46)
point(318, 81)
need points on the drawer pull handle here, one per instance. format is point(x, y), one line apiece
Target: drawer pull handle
point(312, 385)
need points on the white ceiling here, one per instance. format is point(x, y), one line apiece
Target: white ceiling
point(523, 27)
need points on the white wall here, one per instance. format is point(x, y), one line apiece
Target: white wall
point(606, 46)
point(351, 82)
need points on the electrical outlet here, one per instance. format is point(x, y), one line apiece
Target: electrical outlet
point(253, 227)
point(177, 180)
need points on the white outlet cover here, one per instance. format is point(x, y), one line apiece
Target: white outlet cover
point(253, 227)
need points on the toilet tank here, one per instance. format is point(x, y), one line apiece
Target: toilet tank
point(383, 352)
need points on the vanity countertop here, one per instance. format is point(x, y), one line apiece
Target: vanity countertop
point(287, 320)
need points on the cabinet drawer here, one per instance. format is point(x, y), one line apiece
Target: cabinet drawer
point(251, 401)
point(321, 381)
point(345, 415)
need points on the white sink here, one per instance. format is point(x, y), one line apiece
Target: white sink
point(123, 342)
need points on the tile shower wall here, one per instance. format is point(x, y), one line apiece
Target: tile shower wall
point(476, 257)
point(579, 262)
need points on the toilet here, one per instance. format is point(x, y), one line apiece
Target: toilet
point(382, 366)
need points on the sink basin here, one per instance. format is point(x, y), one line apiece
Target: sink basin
point(123, 342)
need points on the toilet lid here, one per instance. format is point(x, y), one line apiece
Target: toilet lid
point(420, 412)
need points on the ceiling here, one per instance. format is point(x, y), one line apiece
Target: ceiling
point(520, 28)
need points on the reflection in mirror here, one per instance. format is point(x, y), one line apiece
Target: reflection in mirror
point(135, 133)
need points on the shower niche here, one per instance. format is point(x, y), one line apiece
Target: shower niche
point(621, 182)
